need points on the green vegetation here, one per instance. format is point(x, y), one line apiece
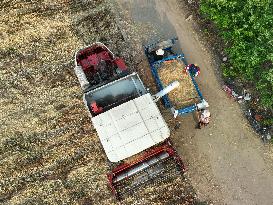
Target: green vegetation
point(247, 29)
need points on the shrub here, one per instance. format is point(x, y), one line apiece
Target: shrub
point(246, 26)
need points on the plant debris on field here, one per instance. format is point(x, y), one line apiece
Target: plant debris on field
point(49, 150)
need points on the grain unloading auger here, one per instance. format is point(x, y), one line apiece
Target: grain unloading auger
point(132, 131)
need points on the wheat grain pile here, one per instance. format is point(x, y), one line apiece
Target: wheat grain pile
point(185, 94)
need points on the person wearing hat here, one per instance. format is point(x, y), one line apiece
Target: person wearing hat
point(204, 118)
point(159, 54)
point(193, 69)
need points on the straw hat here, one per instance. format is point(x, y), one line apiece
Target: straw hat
point(206, 113)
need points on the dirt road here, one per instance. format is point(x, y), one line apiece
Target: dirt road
point(227, 163)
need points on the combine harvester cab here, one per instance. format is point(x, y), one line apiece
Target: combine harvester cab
point(134, 135)
point(167, 66)
point(96, 65)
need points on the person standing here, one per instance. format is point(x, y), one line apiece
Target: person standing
point(203, 118)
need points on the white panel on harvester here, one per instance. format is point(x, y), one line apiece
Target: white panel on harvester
point(130, 128)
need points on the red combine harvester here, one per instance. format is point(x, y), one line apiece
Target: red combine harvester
point(131, 129)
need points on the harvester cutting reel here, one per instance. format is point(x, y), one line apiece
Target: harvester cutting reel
point(157, 165)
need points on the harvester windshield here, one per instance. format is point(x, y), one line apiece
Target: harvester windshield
point(114, 94)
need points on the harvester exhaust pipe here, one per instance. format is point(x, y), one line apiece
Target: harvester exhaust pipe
point(165, 91)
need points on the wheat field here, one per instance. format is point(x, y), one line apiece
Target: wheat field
point(49, 151)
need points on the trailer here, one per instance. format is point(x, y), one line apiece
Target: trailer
point(131, 129)
point(167, 66)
